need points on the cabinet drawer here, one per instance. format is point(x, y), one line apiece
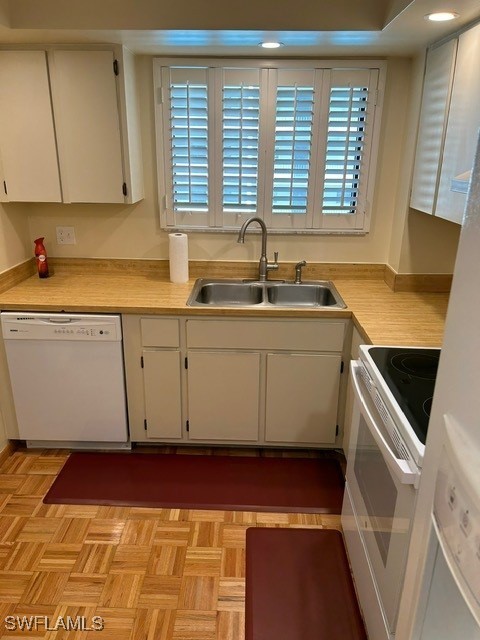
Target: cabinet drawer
point(291, 335)
point(159, 332)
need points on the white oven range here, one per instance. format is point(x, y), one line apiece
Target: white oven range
point(393, 387)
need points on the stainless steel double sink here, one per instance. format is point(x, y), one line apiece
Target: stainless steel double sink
point(252, 293)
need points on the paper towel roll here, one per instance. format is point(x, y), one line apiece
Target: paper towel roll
point(178, 254)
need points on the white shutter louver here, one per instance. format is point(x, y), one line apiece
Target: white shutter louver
point(189, 146)
point(292, 154)
point(347, 119)
point(240, 139)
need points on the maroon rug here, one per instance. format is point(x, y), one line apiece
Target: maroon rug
point(298, 586)
point(305, 485)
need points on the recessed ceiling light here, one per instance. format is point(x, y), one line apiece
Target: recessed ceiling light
point(441, 16)
point(270, 45)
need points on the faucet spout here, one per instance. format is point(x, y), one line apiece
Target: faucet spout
point(264, 267)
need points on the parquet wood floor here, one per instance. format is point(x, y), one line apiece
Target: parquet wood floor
point(151, 574)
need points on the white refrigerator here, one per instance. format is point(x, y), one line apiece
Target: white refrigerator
point(441, 595)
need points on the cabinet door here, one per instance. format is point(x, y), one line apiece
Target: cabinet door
point(431, 131)
point(27, 138)
point(87, 120)
point(223, 395)
point(163, 407)
point(302, 397)
point(462, 129)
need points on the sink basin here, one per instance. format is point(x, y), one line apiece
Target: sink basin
point(229, 293)
point(301, 295)
point(244, 293)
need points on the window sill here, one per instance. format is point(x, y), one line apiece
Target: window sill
point(271, 232)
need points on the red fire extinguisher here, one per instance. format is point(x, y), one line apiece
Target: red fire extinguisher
point(41, 256)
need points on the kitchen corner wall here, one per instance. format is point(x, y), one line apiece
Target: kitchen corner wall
point(133, 231)
point(14, 236)
point(14, 249)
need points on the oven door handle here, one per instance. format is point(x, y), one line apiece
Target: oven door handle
point(400, 467)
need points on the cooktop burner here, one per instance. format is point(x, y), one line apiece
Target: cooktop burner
point(420, 366)
point(410, 375)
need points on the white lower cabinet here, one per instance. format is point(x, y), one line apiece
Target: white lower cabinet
point(163, 400)
point(154, 378)
point(302, 397)
point(223, 395)
point(219, 380)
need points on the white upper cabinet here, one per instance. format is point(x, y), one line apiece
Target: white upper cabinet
point(27, 137)
point(448, 128)
point(462, 129)
point(74, 118)
point(433, 117)
point(86, 116)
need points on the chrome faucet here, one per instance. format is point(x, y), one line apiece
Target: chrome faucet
point(264, 266)
point(298, 271)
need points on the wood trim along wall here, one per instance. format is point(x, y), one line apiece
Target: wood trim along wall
point(13, 276)
point(424, 282)
point(218, 268)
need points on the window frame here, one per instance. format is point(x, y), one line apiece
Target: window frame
point(216, 220)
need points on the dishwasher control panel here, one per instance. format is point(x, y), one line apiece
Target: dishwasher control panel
point(61, 326)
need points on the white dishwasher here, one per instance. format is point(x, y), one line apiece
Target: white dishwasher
point(67, 377)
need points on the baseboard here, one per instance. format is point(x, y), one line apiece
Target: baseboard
point(6, 452)
point(426, 282)
point(217, 268)
point(17, 274)
point(421, 282)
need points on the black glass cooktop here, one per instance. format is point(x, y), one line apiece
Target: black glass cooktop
point(410, 375)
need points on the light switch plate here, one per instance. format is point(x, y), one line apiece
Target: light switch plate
point(66, 235)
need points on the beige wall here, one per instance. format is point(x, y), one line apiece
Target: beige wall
point(14, 236)
point(4, 14)
point(429, 244)
point(3, 435)
point(404, 241)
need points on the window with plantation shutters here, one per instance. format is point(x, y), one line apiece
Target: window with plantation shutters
point(292, 144)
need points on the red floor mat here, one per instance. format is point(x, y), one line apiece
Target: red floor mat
point(303, 485)
point(299, 587)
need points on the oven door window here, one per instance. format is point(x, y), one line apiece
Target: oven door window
point(377, 487)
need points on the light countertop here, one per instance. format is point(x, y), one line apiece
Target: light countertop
point(381, 315)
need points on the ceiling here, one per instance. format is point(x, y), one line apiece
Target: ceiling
point(219, 28)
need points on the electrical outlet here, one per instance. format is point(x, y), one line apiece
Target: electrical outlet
point(66, 235)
